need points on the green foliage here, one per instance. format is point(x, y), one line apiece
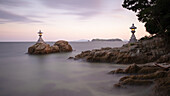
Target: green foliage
point(146, 38)
point(131, 44)
point(154, 13)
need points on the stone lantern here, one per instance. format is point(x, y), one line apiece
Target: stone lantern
point(133, 38)
point(40, 40)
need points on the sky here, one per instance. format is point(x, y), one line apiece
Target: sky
point(20, 20)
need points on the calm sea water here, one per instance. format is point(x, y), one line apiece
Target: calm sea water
point(54, 75)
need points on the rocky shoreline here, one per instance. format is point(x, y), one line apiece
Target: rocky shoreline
point(146, 75)
point(44, 48)
point(144, 51)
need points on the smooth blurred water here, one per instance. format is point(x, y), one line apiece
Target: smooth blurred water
point(22, 74)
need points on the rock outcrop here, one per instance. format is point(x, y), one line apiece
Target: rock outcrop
point(145, 76)
point(44, 48)
point(39, 48)
point(134, 69)
point(141, 52)
point(63, 46)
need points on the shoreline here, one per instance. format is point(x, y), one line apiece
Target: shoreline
point(148, 59)
point(144, 51)
point(157, 75)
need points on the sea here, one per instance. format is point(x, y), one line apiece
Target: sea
point(54, 74)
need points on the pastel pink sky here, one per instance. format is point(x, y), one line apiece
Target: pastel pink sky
point(20, 20)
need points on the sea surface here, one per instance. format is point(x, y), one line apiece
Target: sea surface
point(22, 74)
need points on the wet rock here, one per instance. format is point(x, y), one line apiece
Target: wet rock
point(39, 48)
point(135, 69)
point(164, 58)
point(55, 49)
point(71, 58)
point(141, 80)
point(145, 76)
point(44, 48)
point(136, 82)
point(117, 86)
point(84, 54)
point(148, 69)
point(117, 71)
point(132, 69)
point(162, 87)
point(141, 52)
point(63, 46)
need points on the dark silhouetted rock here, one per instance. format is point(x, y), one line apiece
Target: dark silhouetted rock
point(164, 58)
point(162, 87)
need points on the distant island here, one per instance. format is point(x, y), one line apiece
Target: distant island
point(106, 40)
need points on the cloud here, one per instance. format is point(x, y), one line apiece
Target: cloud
point(8, 16)
point(14, 3)
point(11, 17)
point(118, 10)
point(75, 7)
point(84, 14)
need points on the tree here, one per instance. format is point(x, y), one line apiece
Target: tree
point(154, 13)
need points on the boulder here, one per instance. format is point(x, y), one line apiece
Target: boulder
point(135, 69)
point(55, 49)
point(148, 69)
point(44, 48)
point(132, 69)
point(63, 46)
point(117, 71)
point(138, 82)
point(71, 58)
point(164, 58)
point(162, 87)
point(39, 48)
point(146, 75)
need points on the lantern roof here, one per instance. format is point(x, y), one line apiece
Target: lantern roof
point(40, 32)
point(133, 27)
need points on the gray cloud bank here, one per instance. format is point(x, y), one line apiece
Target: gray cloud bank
point(11, 17)
point(6, 16)
point(12, 3)
point(75, 7)
point(82, 8)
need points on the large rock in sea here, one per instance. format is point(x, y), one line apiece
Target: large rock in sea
point(63, 46)
point(44, 48)
point(40, 48)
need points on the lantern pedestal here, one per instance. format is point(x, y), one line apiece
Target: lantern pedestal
point(40, 40)
point(133, 39)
